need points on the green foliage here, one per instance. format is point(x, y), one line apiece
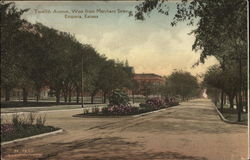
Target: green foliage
point(105, 110)
point(221, 31)
point(40, 120)
point(27, 120)
point(118, 97)
point(34, 56)
point(95, 110)
point(181, 83)
point(86, 111)
point(217, 21)
point(10, 24)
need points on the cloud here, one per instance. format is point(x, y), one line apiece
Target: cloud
point(159, 51)
point(151, 46)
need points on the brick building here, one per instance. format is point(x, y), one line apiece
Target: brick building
point(146, 82)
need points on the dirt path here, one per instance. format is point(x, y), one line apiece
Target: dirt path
point(191, 131)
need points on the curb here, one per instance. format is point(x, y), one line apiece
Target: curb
point(226, 120)
point(144, 114)
point(47, 111)
point(6, 114)
point(32, 137)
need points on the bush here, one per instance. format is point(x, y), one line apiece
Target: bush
point(155, 103)
point(172, 101)
point(105, 110)
point(23, 126)
point(16, 120)
point(7, 129)
point(95, 110)
point(26, 120)
point(31, 118)
point(118, 97)
point(86, 111)
point(119, 110)
point(40, 121)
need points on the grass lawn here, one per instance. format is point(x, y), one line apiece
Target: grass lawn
point(231, 114)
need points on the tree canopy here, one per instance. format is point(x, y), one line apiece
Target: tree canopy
point(35, 56)
point(220, 31)
point(183, 84)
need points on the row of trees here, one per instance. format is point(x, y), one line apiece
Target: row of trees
point(178, 84)
point(35, 56)
point(183, 84)
point(221, 31)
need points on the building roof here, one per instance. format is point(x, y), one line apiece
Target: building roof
point(147, 75)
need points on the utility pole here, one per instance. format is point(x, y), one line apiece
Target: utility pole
point(82, 81)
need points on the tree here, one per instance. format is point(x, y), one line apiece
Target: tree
point(114, 75)
point(183, 84)
point(93, 63)
point(34, 56)
point(134, 88)
point(10, 29)
point(226, 81)
point(221, 30)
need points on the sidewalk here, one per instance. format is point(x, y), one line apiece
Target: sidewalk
point(5, 111)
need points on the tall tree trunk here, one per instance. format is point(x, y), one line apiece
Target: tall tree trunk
point(240, 89)
point(104, 97)
point(70, 90)
point(246, 100)
point(133, 96)
point(58, 96)
point(37, 97)
point(38, 91)
point(65, 94)
point(92, 98)
point(231, 101)
point(221, 101)
point(7, 93)
point(25, 95)
point(77, 94)
point(65, 98)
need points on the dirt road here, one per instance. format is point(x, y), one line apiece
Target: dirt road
point(191, 131)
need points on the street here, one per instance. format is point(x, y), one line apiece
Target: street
point(190, 131)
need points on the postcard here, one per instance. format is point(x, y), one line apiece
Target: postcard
point(124, 80)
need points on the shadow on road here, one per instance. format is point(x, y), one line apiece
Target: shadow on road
point(108, 148)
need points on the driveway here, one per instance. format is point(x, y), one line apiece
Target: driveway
point(190, 131)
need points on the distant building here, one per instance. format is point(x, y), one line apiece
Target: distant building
point(146, 83)
point(149, 78)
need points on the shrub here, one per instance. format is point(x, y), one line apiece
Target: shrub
point(155, 103)
point(31, 118)
point(15, 120)
point(118, 97)
point(119, 110)
point(105, 110)
point(122, 110)
point(23, 126)
point(40, 121)
point(86, 111)
point(7, 129)
point(95, 110)
point(172, 101)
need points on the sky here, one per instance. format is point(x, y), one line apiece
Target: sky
point(150, 46)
